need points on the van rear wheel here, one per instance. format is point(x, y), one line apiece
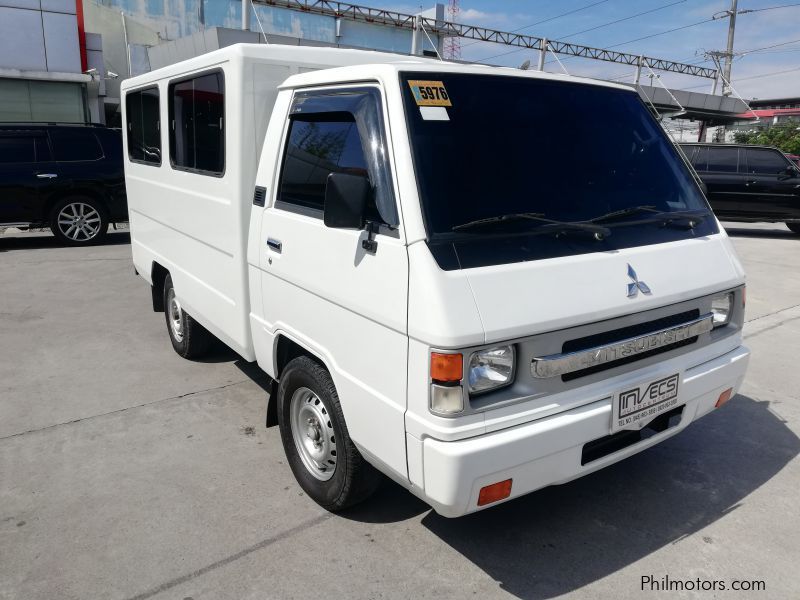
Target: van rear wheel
point(794, 227)
point(323, 458)
point(188, 337)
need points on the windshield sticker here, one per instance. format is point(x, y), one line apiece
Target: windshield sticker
point(429, 93)
point(434, 113)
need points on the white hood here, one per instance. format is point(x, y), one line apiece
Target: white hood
point(449, 309)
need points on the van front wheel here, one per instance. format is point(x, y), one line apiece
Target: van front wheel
point(321, 454)
point(188, 337)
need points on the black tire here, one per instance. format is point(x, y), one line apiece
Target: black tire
point(794, 227)
point(189, 338)
point(353, 479)
point(79, 221)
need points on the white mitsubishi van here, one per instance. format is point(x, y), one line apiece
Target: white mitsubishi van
point(476, 281)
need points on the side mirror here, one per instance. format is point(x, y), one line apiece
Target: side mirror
point(346, 199)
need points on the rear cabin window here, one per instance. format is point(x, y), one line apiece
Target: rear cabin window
point(197, 128)
point(761, 161)
point(723, 160)
point(144, 126)
point(74, 144)
point(318, 145)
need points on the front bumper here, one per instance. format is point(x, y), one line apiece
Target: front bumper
point(548, 451)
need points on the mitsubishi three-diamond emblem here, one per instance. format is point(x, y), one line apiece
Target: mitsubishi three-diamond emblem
point(637, 286)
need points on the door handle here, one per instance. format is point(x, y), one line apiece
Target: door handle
point(274, 245)
point(751, 182)
point(46, 175)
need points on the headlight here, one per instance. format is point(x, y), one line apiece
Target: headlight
point(490, 369)
point(721, 308)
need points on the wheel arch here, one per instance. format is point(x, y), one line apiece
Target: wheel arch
point(287, 349)
point(60, 195)
point(158, 274)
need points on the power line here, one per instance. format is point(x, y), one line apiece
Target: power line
point(646, 12)
point(752, 10)
point(770, 74)
point(565, 14)
point(647, 37)
point(752, 50)
point(629, 17)
point(652, 35)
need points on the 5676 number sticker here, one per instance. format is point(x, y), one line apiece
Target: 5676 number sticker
point(429, 93)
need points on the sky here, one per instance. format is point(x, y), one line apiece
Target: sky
point(759, 72)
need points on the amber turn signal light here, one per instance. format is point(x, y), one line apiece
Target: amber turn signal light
point(495, 492)
point(447, 368)
point(724, 397)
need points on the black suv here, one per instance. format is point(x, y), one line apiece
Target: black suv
point(68, 177)
point(748, 183)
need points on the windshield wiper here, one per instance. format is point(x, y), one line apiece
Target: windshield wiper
point(689, 218)
point(547, 224)
point(624, 212)
point(498, 219)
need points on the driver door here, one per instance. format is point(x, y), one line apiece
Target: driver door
point(320, 286)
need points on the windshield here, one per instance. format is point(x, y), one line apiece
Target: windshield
point(489, 145)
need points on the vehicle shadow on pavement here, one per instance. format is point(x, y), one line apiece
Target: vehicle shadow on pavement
point(564, 537)
point(779, 233)
point(32, 241)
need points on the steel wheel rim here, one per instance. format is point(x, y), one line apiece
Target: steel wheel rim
point(174, 315)
point(79, 222)
point(312, 432)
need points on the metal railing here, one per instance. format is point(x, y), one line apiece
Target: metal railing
point(366, 14)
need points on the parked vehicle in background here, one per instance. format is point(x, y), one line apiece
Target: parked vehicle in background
point(748, 183)
point(795, 158)
point(68, 177)
point(411, 251)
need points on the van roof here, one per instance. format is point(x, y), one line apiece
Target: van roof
point(408, 63)
point(345, 64)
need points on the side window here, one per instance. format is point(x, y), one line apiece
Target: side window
point(144, 126)
point(724, 160)
point(17, 149)
point(197, 128)
point(699, 158)
point(72, 144)
point(338, 131)
point(765, 162)
point(325, 144)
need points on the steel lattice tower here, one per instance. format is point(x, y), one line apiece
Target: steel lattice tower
point(452, 45)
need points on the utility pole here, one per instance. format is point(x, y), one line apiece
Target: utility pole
point(729, 53)
point(726, 86)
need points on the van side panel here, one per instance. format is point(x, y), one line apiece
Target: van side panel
point(191, 223)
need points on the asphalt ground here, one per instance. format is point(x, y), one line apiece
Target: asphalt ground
point(127, 472)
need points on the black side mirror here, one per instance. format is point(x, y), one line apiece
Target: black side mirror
point(346, 199)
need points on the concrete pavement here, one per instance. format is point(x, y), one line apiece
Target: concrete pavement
point(127, 472)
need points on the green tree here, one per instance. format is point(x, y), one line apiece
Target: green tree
point(786, 137)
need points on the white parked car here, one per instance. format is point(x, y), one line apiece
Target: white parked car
point(442, 287)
